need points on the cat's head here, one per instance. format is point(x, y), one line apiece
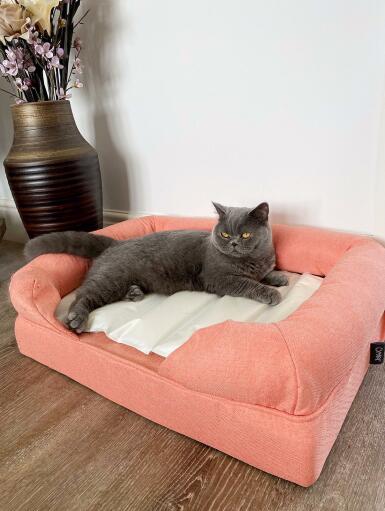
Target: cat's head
point(241, 231)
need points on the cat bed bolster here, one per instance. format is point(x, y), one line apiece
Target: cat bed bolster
point(273, 395)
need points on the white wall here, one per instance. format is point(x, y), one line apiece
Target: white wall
point(238, 102)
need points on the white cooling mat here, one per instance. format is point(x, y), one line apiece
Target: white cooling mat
point(161, 324)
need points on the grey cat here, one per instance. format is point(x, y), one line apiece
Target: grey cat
point(237, 258)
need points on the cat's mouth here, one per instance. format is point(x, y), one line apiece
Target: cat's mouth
point(235, 251)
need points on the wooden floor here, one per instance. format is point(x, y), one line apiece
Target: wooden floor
point(63, 448)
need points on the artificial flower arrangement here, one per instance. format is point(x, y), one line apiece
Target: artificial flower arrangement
point(39, 55)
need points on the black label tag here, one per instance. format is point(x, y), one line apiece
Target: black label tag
point(377, 351)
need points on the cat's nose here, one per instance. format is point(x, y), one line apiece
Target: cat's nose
point(234, 243)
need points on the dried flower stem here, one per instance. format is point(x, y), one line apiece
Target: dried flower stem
point(82, 18)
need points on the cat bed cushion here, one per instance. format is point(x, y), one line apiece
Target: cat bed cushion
point(161, 324)
point(271, 394)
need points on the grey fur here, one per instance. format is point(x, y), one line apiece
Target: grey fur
point(69, 242)
point(170, 261)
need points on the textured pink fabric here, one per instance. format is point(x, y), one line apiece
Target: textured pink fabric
point(310, 249)
point(272, 395)
point(285, 445)
point(292, 365)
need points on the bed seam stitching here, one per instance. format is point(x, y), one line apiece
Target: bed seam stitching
point(293, 364)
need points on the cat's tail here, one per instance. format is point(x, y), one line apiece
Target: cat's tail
point(69, 242)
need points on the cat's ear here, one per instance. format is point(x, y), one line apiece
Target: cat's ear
point(221, 210)
point(261, 212)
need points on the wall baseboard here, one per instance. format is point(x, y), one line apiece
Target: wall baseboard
point(15, 229)
point(112, 216)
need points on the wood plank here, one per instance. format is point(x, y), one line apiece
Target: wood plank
point(63, 447)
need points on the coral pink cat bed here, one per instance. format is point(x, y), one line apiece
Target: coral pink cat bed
point(273, 395)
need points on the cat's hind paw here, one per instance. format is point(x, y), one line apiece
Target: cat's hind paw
point(134, 294)
point(275, 298)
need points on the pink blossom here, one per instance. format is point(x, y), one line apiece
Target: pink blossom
point(78, 66)
point(55, 62)
point(63, 95)
point(78, 84)
point(22, 84)
point(11, 64)
point(19, 101)
point(11, 68)
point(44, 50)
point(16, 55)
point(33, 36)
point(78, 43)
point(16, 60)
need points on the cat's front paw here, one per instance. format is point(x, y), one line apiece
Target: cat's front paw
point(281, 280)
point(276, 278)
point(76, 320)
point(270, 297)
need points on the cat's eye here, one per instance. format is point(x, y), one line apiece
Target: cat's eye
point(246, 235)
point(225, 235)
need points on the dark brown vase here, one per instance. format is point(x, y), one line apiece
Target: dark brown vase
point(52, 171)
